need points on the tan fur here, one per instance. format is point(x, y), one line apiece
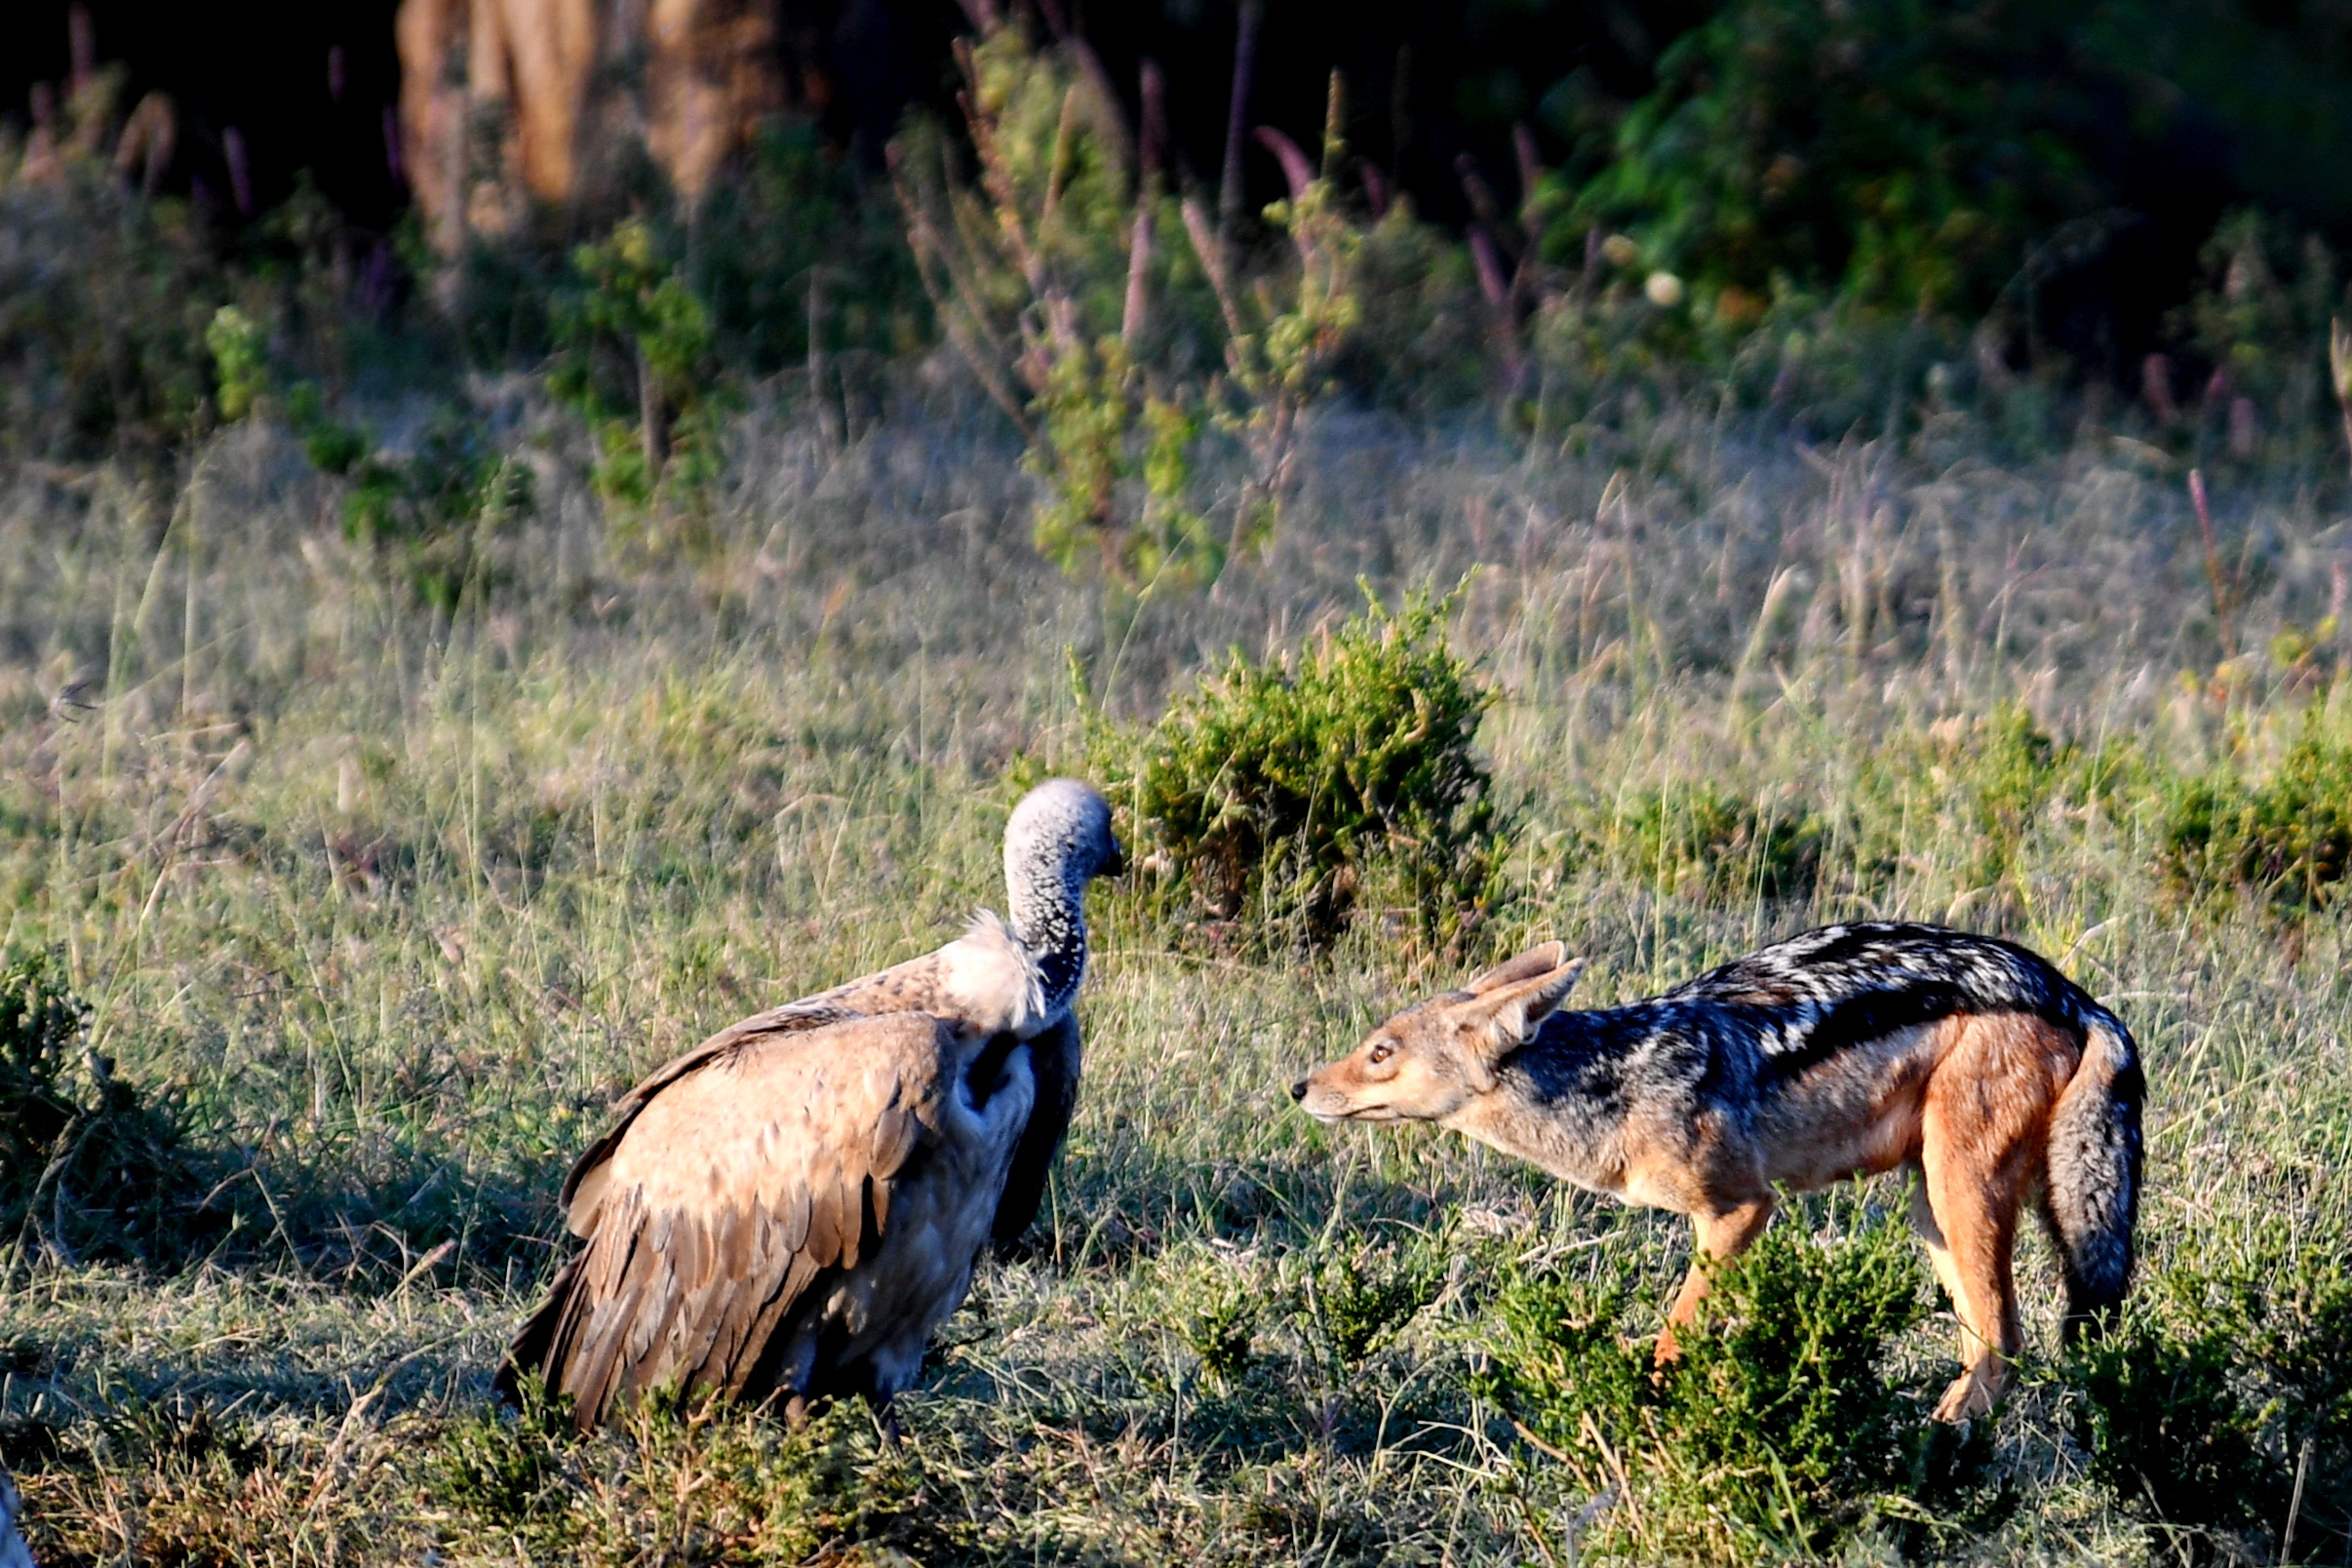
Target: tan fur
point(1965, 1101)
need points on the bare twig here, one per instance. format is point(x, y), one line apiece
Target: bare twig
point(2212, 565)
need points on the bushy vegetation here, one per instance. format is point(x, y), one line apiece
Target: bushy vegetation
point(2283, 836)
point(1280, 791)
point(87, 1168)
point(1777, 1432)
point(1704, 839)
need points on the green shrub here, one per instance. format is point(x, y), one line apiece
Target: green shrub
point(1562, 1362)
point(2167, 1431)
point(1098, 310)
point(1273, 790)
point(796, 242)
point(240, 361)
point(635, 358)
point(2285, 838)
point(1219, 1330)
point(1974, 790)
point(86, 1167)
point(727, 1484)
point(500, 1470)
point(41, 1021)
point(2260, 318)
point(2227, 1390)
point(104, 300)
point(1777, 1432)
point(1898, 154)
point(1359, 1298)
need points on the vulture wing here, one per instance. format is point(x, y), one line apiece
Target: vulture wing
point(983, 984)
point(1053, 1058)
point(745, 1180)
point(584, 1187)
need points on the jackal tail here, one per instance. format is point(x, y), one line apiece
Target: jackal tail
point(2092, 1175)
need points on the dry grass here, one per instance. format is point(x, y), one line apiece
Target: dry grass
point(394, 899)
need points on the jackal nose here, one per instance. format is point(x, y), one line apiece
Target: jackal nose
point(1298, 1090)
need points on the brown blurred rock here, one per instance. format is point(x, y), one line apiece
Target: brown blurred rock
point(506, 103)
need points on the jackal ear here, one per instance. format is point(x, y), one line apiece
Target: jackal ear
point(1535, 960)
point(1515, 1011)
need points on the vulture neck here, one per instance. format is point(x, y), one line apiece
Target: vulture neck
point(1049, 916)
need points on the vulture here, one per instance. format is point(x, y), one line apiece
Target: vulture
point(787, 1210)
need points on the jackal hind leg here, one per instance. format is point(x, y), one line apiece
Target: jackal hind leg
point(1722, 1234)
point(1931, 1236)
point(1977, 1152)
point(1973, 1393)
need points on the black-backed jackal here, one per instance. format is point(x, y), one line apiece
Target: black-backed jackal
point(1845, 1052)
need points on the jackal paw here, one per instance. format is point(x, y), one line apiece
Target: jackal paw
point(1972, 1394)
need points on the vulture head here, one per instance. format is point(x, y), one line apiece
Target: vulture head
point(1059, 840)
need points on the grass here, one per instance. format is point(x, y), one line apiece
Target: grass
point(385, 897)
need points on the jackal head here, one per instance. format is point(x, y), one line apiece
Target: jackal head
point(1429, 1061)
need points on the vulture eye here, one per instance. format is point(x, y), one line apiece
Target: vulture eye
point(1381, 1053)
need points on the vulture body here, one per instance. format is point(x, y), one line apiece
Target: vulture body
point(789, 1208)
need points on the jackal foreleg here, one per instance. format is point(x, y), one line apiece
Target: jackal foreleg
point(1723, 1234)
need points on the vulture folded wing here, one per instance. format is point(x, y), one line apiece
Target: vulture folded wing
point(584, 1187)
point(733, 1197)
point(1053, 1058)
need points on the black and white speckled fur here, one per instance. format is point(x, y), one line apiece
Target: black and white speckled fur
point(1736, 1037)
point(1844, 1051)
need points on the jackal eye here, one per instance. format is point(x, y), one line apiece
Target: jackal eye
point(1381, 1051)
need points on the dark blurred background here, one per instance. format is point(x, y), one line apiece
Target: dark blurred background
point(2065, 181)
point(308, 87)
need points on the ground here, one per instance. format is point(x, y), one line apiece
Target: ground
point(386, 899)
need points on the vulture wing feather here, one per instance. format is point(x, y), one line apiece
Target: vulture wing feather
point(732, 1195)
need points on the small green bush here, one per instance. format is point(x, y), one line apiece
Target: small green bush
point(798, 244)
point(2228, 1389)
point(1974, 792)
point(1777, 1432)
point(1900, 156)
point(41, 1021)
point(1357, 1299)
point(104, 301)
point(501, 1471)
point(86, 1167)
point(636, 356)
point(1273, 790)
point(2167, 1431)
point(728, 1483)
point(1219, 1330)
point(2286, 839)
